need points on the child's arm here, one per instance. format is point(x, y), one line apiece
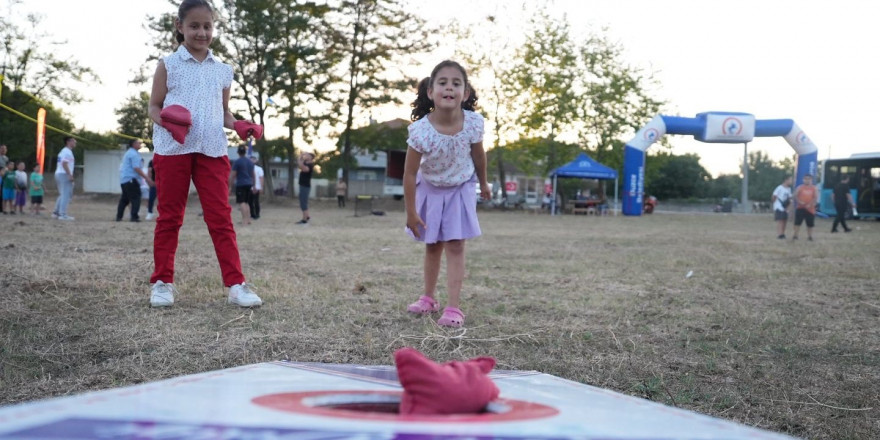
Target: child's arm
point(410, 170)
point(478, 154)
point(160, 89)
point(228, 118)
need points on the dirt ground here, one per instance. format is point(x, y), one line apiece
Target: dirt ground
point(777, 334)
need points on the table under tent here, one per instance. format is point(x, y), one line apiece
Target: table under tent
point(582, 167)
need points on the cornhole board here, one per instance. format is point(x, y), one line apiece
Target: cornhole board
point(292, 400)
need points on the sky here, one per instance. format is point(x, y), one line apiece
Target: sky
point(815, 62)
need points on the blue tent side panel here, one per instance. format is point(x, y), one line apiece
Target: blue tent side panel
point(585, 167)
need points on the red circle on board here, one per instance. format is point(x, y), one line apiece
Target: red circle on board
point(518, 410)
point(510, 186)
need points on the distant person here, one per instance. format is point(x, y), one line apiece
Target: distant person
point(242, 178)
point(129, 170)
point(21, 187)
point(781, 199)
point(35, 185)
point(341, 189)
point(9, 188)
point(843, 202)
point(806, 196)
point(151, 200)
point(445, 161)
point(306, 166)
point(64, 179)
point(189, 106)
point(257, 189)
point(3, 161)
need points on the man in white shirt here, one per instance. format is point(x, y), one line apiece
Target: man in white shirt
point(257, 189)
point(781, 201)
point(64, 179)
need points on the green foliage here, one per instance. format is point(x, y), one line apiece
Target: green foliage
point(725, 185)
point(30, 62)
point(546, 75)
point(765, 175)
point(134, 118)
point(531, 156)
point(676, 176)
point(20, 135)
point(615, 102)
point(390, 135)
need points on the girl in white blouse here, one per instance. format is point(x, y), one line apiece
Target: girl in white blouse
point(190, 108)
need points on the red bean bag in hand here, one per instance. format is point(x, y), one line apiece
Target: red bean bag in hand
point(177, 120)
point(244, 128)
point(450, 388)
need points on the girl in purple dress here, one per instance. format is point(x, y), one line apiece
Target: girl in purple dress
point(444, 163)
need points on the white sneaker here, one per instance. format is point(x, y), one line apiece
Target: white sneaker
point(162, 294)
point(66, 218)
point(150, 216)
point(54, 215)
point(242, 295)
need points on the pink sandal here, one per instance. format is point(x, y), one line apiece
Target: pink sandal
point(452, 317)
point(424, 306)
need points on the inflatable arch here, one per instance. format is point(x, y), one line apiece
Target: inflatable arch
point(713, 127)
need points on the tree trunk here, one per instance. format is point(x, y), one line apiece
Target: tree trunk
point(501, 175)
point(291, 157)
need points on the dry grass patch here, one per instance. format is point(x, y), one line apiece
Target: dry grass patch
point(780, 335)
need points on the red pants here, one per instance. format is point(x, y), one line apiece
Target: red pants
point(210, 176)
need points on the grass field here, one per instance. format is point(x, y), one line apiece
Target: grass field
point(780, 335)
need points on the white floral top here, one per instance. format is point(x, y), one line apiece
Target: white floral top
point(446, 160)
point(198, 86)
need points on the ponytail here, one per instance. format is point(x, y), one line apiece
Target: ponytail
point(423, 104)
point(471, 102)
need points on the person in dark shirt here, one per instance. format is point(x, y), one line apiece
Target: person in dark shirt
point(242, 177)
point(842, 199)
point(306, 165)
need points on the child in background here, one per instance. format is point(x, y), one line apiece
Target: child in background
point(189, 106)
point(21, 187)
point(444, 162)
point(36, 190)
point(9, 188)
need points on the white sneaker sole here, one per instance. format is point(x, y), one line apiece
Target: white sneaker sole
point(242, 304)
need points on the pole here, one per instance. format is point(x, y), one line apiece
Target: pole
point(745, 181)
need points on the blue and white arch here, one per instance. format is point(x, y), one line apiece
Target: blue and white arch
point(713, 127)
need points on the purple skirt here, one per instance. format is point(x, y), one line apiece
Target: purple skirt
point(449, 212)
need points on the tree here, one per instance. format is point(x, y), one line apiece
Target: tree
point(531, 156)
point(612, 101)
point(30, 62)
point(20, 135)
point(488, 55)
point(545, 75)
point(308, 56)
point(373, 35)
point(765, 175)
point(677, 176)
point(134, 116)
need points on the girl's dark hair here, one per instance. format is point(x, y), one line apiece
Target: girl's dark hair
point(185, 7)
point(423, 104)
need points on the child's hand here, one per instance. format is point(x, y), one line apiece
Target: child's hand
point(413, 221)
point(485, 191)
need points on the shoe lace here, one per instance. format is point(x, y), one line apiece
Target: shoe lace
point(247, 289)
point(165, 288)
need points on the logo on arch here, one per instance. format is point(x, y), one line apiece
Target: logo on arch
point(731, 127)
point(651, 134)
point(802, 138)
